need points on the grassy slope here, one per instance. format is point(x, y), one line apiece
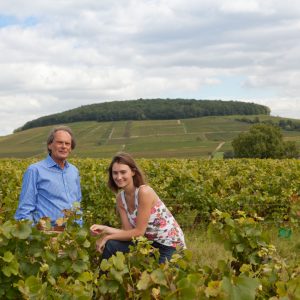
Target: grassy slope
point(197, 137)
point(208, 252)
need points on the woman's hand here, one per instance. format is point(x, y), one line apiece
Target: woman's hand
point(97, 229)
point(100, 244)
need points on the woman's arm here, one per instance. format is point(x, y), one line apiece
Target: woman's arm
point(147, 197)
point(98, 229)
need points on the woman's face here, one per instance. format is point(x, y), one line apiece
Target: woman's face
point(122, 175)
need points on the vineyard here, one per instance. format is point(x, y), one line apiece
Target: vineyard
point(236, 200)
point(193, 138)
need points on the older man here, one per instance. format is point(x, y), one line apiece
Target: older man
point(53, 184)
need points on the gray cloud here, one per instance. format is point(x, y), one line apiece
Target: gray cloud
point(60, 55)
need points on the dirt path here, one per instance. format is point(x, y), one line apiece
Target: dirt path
point(111, 133)
point(219, 146)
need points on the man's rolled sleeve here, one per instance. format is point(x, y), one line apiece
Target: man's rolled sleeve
point(27, 203)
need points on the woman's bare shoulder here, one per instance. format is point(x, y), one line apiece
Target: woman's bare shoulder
point(145, 189)
point(146, 193)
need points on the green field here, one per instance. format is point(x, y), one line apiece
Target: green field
point(199, 137)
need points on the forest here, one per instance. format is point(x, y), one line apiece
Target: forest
point(149, 109)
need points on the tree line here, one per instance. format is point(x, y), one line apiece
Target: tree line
point(149, 109)
point(285, 124)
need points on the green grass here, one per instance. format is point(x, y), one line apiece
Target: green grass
point(207, 252)
point(288, 248)
point(163, 127)
point(215, 124)
point(218, 155)
point(195, 138)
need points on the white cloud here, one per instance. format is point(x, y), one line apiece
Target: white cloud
point(60, 55)
point(17, 110)
point(239, 6)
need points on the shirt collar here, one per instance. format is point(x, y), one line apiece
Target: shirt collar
point(51, 163)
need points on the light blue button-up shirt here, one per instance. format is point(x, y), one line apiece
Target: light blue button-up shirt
point(47, 190)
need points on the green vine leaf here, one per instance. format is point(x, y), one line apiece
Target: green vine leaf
point(145, 282)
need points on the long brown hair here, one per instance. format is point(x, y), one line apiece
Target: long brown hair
point(126, 159)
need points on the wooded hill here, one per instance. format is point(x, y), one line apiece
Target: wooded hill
point(203, 137)
point(149, 109)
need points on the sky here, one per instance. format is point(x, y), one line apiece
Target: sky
point(57, 55)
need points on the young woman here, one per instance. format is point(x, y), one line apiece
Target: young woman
point(141, 211)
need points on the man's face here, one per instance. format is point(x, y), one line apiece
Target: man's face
point(61, 146)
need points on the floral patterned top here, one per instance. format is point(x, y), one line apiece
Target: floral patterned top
point(162, 226)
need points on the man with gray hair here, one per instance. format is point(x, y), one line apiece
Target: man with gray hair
point(53, 184)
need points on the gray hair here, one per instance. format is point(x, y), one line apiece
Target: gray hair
point(50, 138)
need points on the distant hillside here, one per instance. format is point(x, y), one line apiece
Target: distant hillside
point(149, 109)
point(203, 137)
